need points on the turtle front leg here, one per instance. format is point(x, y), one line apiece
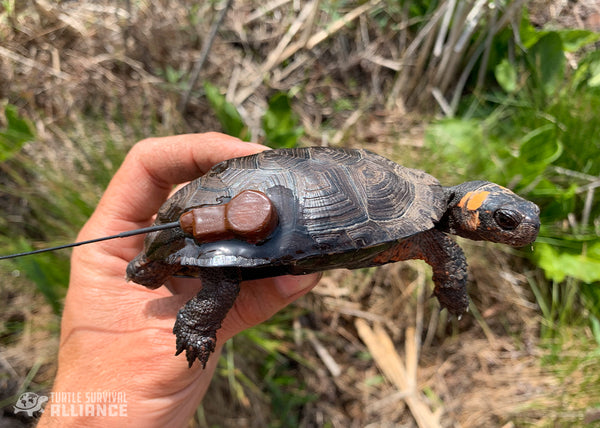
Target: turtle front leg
point(150, 273)
point(447, 261)
point(198, 321)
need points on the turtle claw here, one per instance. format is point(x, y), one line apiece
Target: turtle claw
point(198, 321)
point(455, 300)
point(196, 346)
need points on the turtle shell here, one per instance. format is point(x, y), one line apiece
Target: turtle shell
point(336, 208)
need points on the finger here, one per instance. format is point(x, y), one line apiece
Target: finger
point(153, 166)
point(258, 300)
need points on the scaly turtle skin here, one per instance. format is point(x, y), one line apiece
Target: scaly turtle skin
point(337, 208)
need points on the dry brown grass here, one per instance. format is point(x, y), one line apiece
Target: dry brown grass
point(106, 62)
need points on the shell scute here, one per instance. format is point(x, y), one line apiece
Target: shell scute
point(333, 205)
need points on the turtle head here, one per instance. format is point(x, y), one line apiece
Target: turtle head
point(485, 211)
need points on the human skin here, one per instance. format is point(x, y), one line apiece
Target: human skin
point(117, 336)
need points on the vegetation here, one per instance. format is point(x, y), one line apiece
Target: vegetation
point(538, 127)
point(516, 103)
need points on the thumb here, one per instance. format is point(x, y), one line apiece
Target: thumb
point(292, 287)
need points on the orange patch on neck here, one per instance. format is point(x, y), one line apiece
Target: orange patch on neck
point(473, 221)
point(473, 200)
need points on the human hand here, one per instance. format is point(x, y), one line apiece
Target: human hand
point(117, 336)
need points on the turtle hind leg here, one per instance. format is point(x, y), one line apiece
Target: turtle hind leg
point(198, 321)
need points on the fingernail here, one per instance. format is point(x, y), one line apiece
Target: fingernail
point(290, 286)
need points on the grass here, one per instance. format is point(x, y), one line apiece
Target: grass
point(541, 140)
point(118, 77)
point(57, 201)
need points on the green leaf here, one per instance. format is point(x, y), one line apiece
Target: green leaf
point(547, 60)
point(538, 149)
point(595, 328)
point(540, 146)
point(573, 40)
point(171, 75)
point(226, 113)
point(593, 70)
point(506, 76)
point(17, 133)
point(528, 34)
point(594, 80)
point(558, 264)
point(280, 123)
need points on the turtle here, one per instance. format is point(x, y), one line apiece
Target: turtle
point(303, 210)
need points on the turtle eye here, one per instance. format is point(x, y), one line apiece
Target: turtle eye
point(507, 219)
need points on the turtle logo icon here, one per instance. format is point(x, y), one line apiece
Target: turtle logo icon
point(30, 402)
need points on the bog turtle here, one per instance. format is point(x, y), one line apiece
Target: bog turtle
point(296, 211)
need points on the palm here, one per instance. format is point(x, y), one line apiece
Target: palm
point(117, 336)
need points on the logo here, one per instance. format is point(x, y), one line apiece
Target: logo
point(74, 404)
point(30, 402)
